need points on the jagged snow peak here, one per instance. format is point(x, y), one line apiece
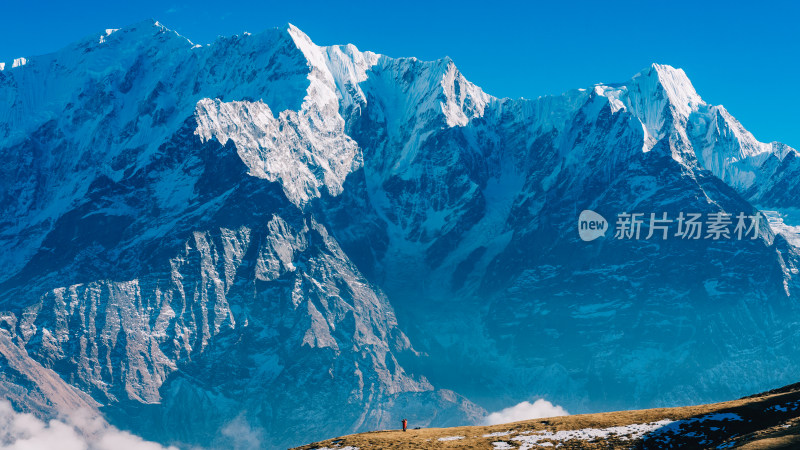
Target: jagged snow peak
point(343, 68)
point(283, 147)
point(676, 85)
point(463, 100)
point(666, 103)
point(658, 96)
point(305, 149)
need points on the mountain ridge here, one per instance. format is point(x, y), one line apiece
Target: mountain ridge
point(374, 228)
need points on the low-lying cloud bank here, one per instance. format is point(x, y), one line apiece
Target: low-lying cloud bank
point(526, 411)
point(22, 431)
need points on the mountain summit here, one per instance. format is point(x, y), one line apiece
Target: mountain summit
point(263, 234)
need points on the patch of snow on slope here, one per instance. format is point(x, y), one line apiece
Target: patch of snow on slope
point(498, 434)
point(786, 407)
point(337, 448)
point(664, 435)
point(451, 438)
point(624, 433)
point(500, 445)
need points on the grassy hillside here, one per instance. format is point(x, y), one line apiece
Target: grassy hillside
point(770, 420)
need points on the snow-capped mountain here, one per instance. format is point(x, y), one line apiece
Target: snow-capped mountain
point(265, 240)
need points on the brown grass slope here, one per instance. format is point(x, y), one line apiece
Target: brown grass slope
point(770, 420)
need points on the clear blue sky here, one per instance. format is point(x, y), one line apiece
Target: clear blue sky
point(744, 56)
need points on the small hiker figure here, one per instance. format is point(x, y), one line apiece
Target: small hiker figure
point(405, 424)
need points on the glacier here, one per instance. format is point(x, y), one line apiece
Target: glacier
point(303, 241)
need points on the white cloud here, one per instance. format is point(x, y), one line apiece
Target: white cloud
point(78, 431)
point(526, 411)
point(242, 435)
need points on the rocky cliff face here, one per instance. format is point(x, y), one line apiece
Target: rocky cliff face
point(484, 217)
point(225, 244)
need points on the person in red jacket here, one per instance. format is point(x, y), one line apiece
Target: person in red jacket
point(405, 424)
